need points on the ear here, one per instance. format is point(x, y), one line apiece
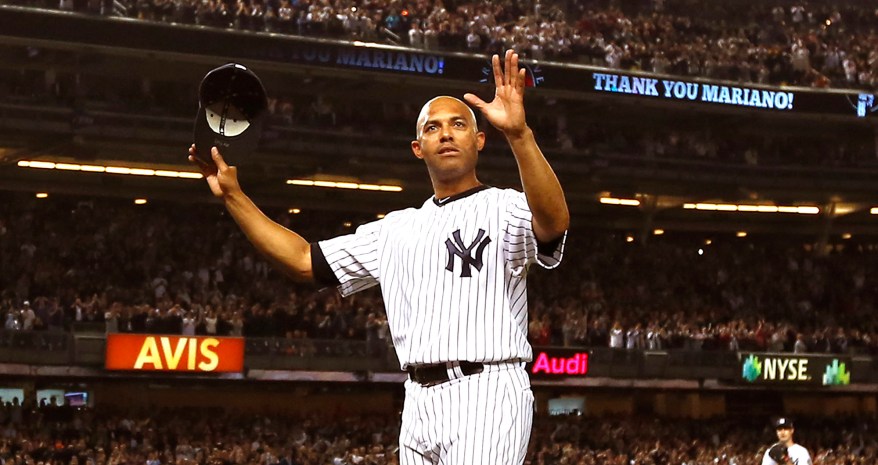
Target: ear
point(480, 140)
point(416, 149)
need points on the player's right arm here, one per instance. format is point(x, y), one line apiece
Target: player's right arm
point(288, 251)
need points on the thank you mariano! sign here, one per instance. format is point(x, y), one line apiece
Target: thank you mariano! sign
point(694, 91)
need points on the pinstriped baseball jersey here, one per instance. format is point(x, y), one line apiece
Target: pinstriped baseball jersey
point(452, 274)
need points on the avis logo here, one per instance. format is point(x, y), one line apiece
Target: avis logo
point(533, 75)
point(196, 356)
point(752, 368)
point(836, 374)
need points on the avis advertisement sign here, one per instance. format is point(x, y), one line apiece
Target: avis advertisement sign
point(558, 363)
point(772, 368)
point(197, 354)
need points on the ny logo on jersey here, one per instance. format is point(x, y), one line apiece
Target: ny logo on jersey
point(457, 249)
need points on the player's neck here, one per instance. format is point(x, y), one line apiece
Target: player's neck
point(447, 188)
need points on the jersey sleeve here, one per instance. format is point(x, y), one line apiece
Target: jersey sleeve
point(520, 243)
point(352, 258)
point(805, 457)
point(766, 460)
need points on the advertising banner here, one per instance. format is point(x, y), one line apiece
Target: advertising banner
point(792, 369)
point(196, 354)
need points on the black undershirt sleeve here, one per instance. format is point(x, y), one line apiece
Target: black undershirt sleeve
point(544, 248)
point(323, 274)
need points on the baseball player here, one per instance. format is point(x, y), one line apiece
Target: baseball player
point(452, 273)
point(785, 451)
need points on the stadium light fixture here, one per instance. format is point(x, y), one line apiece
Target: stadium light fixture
point(127, 170)
point(616, 201)
point(344, 185)
point(749, 208)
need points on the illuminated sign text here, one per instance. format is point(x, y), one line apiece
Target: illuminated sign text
point(174, 353)
point(574, 365)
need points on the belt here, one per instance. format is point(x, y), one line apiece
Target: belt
point(430, 375)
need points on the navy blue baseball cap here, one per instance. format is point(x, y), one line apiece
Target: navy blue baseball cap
point(783, 422)
point(232, 105)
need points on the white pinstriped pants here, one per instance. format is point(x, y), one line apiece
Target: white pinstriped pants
point(481, 419)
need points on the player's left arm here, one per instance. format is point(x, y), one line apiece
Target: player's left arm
point(545, 197)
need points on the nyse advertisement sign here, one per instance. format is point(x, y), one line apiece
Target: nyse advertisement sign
point(250, 48)
point(558, 363)
point(144, 352)
point(776, 368)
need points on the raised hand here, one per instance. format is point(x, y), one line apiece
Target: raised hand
point(506, 111)
point(221, 178)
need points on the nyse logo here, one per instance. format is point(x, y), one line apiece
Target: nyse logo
point(786, 369)
point(456, 248)
point(776, 369)
point(161, 354)
point(752, 368)
point(836, 374)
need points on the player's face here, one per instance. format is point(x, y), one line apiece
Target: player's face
point(784, 434)
point(448, 141)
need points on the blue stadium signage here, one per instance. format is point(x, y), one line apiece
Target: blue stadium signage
point(693, 91)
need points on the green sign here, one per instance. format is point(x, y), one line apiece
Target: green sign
point(836, 374)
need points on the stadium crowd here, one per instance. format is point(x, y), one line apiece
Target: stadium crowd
point(805, 43)
point(74, 263)
point(83, 436)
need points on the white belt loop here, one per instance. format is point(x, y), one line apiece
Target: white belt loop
point(458, 372)
point(450, 370)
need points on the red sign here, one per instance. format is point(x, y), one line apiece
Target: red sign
point(575, 365)
point(146, 352)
